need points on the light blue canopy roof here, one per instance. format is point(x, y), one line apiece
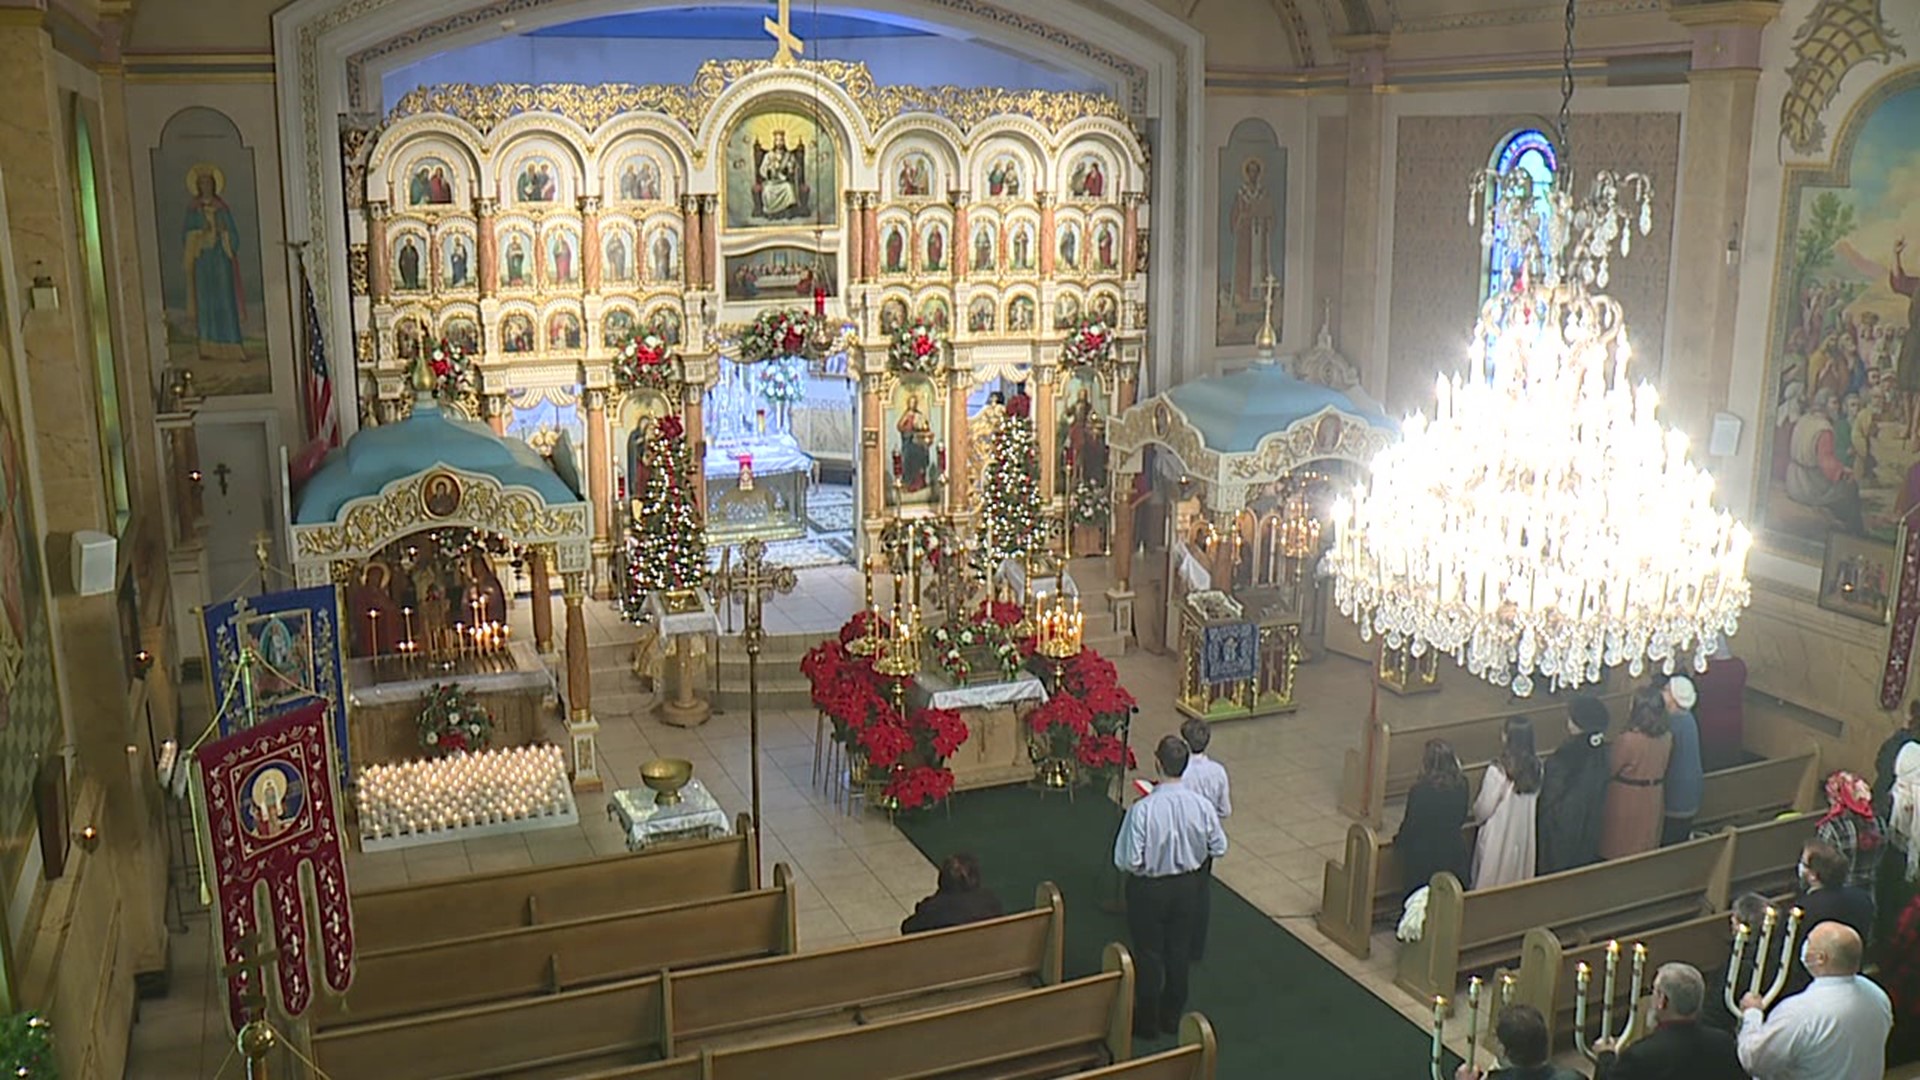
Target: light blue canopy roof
point(376, 457)
point(1234, 412)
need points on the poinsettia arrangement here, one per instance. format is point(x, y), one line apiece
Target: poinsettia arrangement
point(916, 347)
point(453, 722)
point(910, 750)
point(452, 371)
point(777, 334)
point(644, 361)
point(1087, 718)
point(960, 647)
point(1090, 342)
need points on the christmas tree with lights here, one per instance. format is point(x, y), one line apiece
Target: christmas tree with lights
point(1013, 522)
point(666, 541)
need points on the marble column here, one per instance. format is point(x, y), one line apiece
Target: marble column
point(693, 263)
point(541, 590)
point(1128, 392)
point(600, 491)
point(690, 415)
point(590, 243)
point(1045, 242)
point(959, 442)
point(1043, 424)
point(856, 244)
point(496, 408)
point(870, 231)
point(1122, 533)
point(1130, 233)
point(873, 469)
point(582, 730)
point(487, 251)
point(1721, 90)
point(1360, 269)
point(379, 276)
point(962, 245)
point(709, 251)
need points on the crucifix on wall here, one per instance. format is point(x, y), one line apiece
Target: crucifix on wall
point(790, 46)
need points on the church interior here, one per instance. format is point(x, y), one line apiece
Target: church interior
point(538, 532)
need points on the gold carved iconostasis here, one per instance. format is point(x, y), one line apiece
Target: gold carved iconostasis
point(541, 228)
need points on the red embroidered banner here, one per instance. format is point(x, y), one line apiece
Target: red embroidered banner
point(1906, 619)
point(271, 810)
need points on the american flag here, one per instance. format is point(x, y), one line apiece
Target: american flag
point(317, 384)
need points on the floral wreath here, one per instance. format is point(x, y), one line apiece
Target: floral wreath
point(453, 722)
point(1090, 343)
point(779, 333)
point(917, 347)
point(957, 646)
point(452, 371)
point(783, 379)
point(644, 361)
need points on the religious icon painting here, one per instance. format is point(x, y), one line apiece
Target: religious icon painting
point(914, 177)
point(639, 179)
point(1858, 577)
point(935, 258)
point(893, 249)
point(430, 182)
point(1066, 311)
point(1088, 179)
point(665, 321)
point(282, 645)
point(457, 267)
point(616, 328)
point(563, 331)
point(463, 333)
point(1021, 315)
point(980, 315)
point(917, 458)
point(1020, 247)
point(1106, 247)
point(410, 262)
point(409, 337)
point(1106, 308)
point(1005, 177)
point(440, 495)
point(205, 197)
point(1252, 196)
point(663, 253)
point(893, 314)
point(936, 310)
point(516, 334)
point(985, 247)
point(1080, 423)
point(780, 167)
point(516, 260)
point(563, 257)
point(1069, 252)
point(616, 263)
point(536, 181)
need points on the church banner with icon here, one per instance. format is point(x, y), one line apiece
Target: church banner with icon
point(277, 651)
point(270, 810)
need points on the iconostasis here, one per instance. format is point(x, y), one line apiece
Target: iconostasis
point(539, 229)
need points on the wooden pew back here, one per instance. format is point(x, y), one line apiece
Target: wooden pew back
point(1766, 855)
point(462, 907)
point(557, 956)
point(1547, 982)
point(1196, 1057)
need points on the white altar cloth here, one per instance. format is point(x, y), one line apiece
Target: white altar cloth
point(941, 693)
point(698, 623)
point(773, 455)
point(1014, 574)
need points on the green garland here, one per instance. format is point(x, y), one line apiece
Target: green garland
point(26, 1047)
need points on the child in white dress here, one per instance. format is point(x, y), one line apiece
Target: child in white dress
point(1509, 794)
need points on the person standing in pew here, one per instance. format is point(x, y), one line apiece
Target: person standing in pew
point(1886, 760)
point(1636, 805)
point(1430, 838)
point(1163, 841)
point(1722, 710)
point(1680, 1047)
point(1820, 902)
point(1836, 1030)
point(1209, 778)
point(1686, 781)
point(1749, 910)
point(1573, 790)
point(958, 899)
point(1522, 1032)
point(1506, 811)
point(1849, 827)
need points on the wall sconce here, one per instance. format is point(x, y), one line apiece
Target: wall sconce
point(89, 839)
point(1733, 246)
point(45, 295)
point(142, 663)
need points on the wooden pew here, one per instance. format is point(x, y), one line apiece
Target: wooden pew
point(1364, 890)
point(1195, 1058)
point(618, 1024)
point(552, 957)
point(385, 919)
point(1483, 929)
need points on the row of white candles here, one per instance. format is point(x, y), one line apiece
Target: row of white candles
point(482, 635)
point(464, 790)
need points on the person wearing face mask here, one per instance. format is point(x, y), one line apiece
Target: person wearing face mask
point(1836, 1030)
point(1825, 896)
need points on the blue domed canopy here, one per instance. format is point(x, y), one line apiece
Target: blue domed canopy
point(376, 457)
point(1234, 412)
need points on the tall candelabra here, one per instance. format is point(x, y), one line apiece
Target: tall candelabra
point(1503, 995)
point(754, 581)
point(1740, 936)
point(1583, 975)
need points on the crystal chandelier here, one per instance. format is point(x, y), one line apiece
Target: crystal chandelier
point(1543, 522)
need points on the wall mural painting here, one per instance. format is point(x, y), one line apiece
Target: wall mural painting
point(206, 202)
point(410, 263)
point(1006, 178)
point(780, 170)
point(457, 266)
point(893, 249)
point(563, 258)
point(1106, 247)
point(429, 182)
point(779, 273)
point(915, 436)
point(516, 334)
point(640, 179)
point(536, 181)
point(663, 254)
point(1252, 240)
point(1069, 251)
point(935, 258)
point(985, 247)
point(1844, 359)
point(1020, 247)
point(1088, 179)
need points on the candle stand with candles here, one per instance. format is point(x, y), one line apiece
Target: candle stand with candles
point(464, 797)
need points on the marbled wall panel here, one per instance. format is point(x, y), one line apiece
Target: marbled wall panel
point(1821, 661)
point(1329, 210)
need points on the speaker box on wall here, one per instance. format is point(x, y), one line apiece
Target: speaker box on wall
point(95, 555)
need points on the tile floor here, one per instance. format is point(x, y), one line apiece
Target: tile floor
point(857, 876)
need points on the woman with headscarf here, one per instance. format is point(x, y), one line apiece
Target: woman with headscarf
point(1850, 827)
point(1573, 790)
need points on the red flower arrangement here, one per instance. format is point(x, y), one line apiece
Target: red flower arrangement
point(642, 361)
point(1086, 719)
point(910, 749)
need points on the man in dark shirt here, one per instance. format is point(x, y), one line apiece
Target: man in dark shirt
point(1825, 896)
point(1680, 1047)
point(1522, 1032)
point(959, 900)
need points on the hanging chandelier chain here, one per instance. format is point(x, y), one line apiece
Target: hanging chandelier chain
point(1566, 89)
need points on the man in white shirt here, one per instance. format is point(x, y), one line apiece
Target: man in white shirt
point(1835, 1029)
point(1163, 841)
point(1208, 778)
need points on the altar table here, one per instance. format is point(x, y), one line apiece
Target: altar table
point(995, 752)
point(385, 699)
point(697, 816)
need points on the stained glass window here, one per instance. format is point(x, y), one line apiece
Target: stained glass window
point(1531, 152)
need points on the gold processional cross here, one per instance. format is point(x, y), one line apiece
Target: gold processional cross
point(790, 46)
point(753, 580)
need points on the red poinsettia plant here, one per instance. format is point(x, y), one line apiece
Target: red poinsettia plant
point(1089, 343)
point(644, 361)
point(909, 750)
point(1086, 720)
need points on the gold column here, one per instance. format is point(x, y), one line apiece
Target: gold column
point(600, 490)
point(693, 265)
point(581, 727)
point(856, 241)
point(962, 246)
point(872, 452)
point(590, 242)
point(379, 277)
point(487, 252)
point(870, 230)
point(1044, 422)
point(542, 597)
point(959, 443)
point(1045, 242)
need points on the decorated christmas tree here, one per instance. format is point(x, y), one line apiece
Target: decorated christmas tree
point(1012, 520)
point(667, 541)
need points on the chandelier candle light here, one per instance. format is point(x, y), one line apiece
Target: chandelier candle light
point(1058, 634)
point(1542, 521)
point(463, 797)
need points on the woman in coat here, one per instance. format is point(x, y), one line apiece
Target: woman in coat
point(1573, 790)
point(1505, 851)
point(1430, 838)
point(1636, 803)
